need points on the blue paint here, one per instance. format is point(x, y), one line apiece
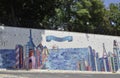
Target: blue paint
point(67, 38)
point(8, 58)
point(66, 59)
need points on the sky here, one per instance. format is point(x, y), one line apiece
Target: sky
point(107, 2)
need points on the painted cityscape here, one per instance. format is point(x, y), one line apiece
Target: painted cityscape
point(30, 56)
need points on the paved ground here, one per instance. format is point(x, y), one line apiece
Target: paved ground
point(56, 74)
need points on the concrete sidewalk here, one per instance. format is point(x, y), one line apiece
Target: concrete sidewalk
point(56, 71)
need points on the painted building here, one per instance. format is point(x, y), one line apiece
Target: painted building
point(22, 48)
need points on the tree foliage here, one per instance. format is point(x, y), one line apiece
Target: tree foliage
point(114, 17)
point(89, 16)
point(28, 13)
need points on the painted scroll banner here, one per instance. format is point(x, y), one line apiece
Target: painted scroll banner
point(59, 39)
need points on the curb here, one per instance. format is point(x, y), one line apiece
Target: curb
point(56, 71)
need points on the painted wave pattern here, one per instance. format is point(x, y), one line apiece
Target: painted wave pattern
point(66, 59)
point(7, 58)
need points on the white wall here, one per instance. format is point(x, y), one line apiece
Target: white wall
point(9, 37)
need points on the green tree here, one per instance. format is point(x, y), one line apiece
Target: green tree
point(71, 15)
point(26, 13)
point(114, 18)
point(89, 16)
point(79, 15)
point(97, 12)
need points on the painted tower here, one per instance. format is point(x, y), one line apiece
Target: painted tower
point(1, 61)
point(19, 56)
point(93, 60)
point(89, 59)
point(97, 61)
point(104, 58)
point(116, 55)
point(110, 57)
point(30, 45)
point(39, 50)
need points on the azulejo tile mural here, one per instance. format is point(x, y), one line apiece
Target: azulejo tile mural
point(32, 56)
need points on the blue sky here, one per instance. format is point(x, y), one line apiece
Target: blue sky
point(107, 2)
